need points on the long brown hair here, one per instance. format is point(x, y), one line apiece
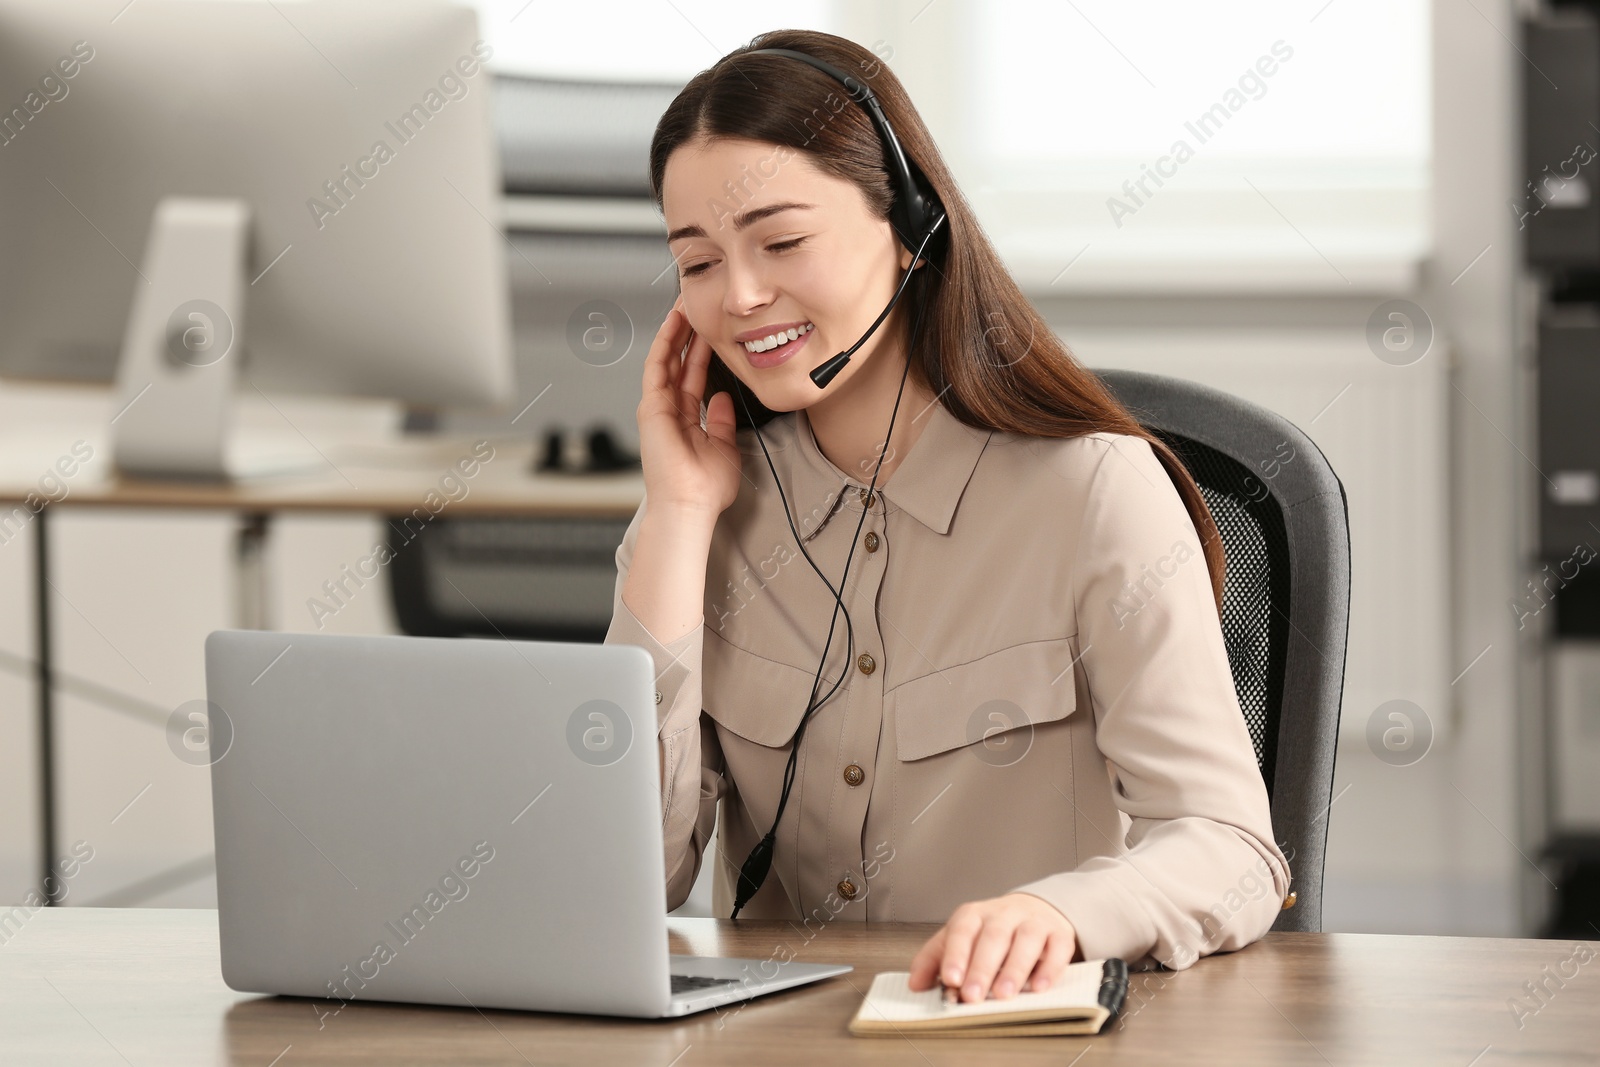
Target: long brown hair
point(984, 351)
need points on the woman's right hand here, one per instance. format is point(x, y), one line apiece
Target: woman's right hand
point(685, 468)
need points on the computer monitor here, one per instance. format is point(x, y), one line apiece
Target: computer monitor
point(199, 198)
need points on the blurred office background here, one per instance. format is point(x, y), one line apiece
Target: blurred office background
point(1380, 160)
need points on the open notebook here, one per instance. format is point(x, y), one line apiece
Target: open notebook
point(1083, 999)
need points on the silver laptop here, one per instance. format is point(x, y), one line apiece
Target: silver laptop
point(461, 822)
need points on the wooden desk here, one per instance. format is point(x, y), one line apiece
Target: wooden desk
point(81, 985)
point(394, 476)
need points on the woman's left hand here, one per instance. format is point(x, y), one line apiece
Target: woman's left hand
point(1008, 944)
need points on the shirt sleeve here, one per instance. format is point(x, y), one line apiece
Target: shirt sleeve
point(692, 770)
point(1199, 870)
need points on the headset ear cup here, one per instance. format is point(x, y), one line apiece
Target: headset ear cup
point(906, 225)
point(913, 227)
point(941, 239)
point(916, 214)
point(911, 221)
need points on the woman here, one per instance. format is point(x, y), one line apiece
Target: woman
point(1030, 731)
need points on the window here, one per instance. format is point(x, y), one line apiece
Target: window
point(1163, 145)
point(1065, 91)
point(1247, 143)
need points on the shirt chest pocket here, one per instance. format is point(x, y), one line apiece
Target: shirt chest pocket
point(993, 703)
point(757, 698)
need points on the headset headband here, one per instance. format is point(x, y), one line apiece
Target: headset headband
point(916, 211)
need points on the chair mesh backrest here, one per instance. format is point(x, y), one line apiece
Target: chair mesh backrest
point(1255, 591)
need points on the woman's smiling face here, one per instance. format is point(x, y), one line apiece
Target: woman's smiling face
point(765, 240)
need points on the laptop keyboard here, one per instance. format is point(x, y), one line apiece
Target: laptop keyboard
point(688, 983)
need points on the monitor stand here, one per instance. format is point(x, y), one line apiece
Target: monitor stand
point(183, 348)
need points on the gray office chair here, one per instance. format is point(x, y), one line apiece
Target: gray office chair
point(1282, 515)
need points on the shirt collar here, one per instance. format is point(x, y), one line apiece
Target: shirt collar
point(928, 483)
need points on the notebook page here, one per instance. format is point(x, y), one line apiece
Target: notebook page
point(891, 998)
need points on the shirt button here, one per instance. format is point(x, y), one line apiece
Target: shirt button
point(867, 664)
point(872, 542)
point(867, 498)
point(658, 696)
point(854, 775)
point(847, 889)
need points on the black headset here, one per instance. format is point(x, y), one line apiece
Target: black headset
point(916, 213)
point(916, 216)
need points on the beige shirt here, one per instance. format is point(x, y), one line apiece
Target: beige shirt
point(1038, 698)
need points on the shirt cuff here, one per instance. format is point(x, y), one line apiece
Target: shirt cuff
point(1106, 916)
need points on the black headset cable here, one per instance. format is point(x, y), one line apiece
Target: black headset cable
point(756, 867)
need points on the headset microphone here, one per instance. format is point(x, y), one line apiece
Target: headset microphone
point(826, 372)
point(916, 216)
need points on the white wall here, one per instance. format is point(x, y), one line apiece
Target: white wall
point(1476, 814)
